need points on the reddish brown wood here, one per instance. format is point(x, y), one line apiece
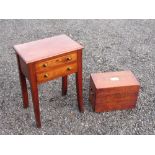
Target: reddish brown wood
point(79, 82)
point(64, 85)
point(23, 67)
point(56, 72)
point(46, 48)
point(113, 91)
point(92, 94)
point(56, 62)
point(34, 91)
point(47, 59)
point(23, 84)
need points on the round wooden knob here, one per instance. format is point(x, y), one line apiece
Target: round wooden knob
point(44, 65)
point(46, 76)
point(69, 68)
point(68, 58)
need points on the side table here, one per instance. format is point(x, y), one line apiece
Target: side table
point(43, 60)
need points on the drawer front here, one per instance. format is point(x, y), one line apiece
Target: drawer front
point(57, 72)
point(55, 62)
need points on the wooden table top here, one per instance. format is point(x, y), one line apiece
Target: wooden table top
point(45, 48)
point(114, 79)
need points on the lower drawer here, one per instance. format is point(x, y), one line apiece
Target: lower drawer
point(55, 73)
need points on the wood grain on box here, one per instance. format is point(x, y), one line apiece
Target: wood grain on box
point(113, 91)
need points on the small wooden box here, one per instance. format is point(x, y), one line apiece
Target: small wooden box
point(113, 91)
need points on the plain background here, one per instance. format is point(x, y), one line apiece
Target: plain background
point(79, 9)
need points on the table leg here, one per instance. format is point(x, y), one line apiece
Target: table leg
point(35, 97)
point(23, 85)
point(79, 82)
point(64, 85)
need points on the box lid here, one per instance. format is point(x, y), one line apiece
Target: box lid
point(48, 47)
point(114, 79)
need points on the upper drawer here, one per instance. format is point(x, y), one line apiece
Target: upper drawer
point(54, 62)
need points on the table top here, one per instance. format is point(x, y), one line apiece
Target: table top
point(114, 79)
point(45, 48)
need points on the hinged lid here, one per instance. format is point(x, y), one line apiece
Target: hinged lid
point(114, 79)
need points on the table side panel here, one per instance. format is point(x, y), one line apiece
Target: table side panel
point(24, 67)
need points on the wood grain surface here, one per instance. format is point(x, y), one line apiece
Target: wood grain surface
point(50, 63)
point(47, 59)
point(118, 94)
point(45, 48)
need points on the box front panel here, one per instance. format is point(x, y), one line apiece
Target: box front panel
point(121, 98)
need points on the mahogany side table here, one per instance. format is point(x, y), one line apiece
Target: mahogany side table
point(43, 60)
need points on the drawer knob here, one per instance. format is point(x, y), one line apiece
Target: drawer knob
point(44, 65)
point(68, 58)
point(69, 68)
point(46, 76)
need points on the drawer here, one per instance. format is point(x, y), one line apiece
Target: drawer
point(56, 72)
point(55, 62)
